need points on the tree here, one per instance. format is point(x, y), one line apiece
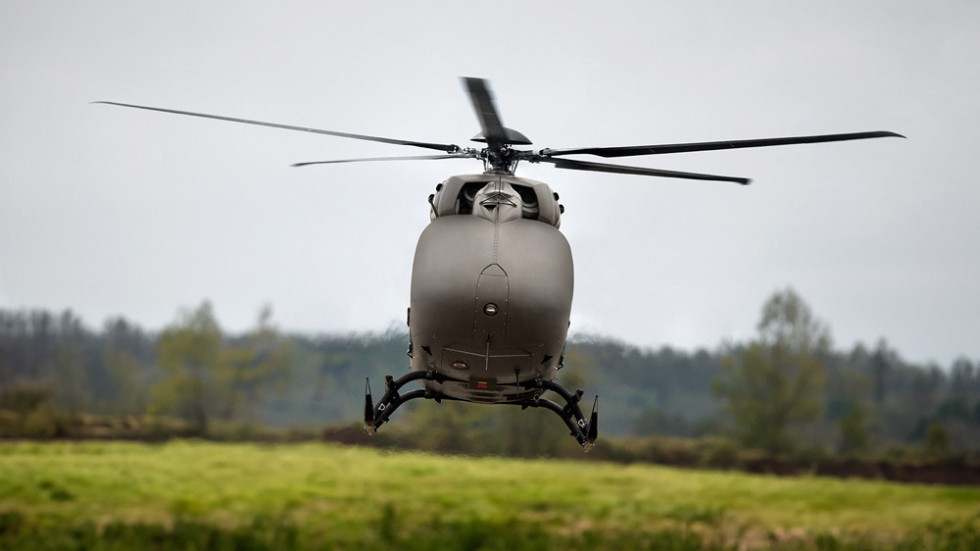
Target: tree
point(208, 377)
point(853, 426)
point(936, 441)
point(963, 377)
point(880, 364)
point(127, 358)
point(777, 380)
point(189, 351)
point(247, 370)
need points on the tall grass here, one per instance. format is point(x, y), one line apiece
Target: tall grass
point(187, 494)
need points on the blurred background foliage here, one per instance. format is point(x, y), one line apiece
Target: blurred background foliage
point(787, 393)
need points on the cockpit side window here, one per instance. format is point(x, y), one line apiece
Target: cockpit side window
point(529, 202)
point(549, 210)
point(464, 202)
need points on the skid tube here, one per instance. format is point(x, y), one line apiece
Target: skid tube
point(584, 432)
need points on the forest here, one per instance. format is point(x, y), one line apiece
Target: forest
point(785, 393)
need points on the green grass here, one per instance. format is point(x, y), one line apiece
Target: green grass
point(251, 496)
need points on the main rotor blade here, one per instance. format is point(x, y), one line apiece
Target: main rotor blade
point(628, 151)
point(450, 148)
point(408, 158)
point(641, 171)
point(486, 112)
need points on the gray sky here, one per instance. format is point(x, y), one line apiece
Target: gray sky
point(110, 211)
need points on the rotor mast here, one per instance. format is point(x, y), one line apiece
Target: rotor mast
point(498, 157)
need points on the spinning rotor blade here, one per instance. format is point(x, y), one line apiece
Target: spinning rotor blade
point(641, 171)
point(486, 112)
point(464, 155)
point(628, 151)
point(450, 148)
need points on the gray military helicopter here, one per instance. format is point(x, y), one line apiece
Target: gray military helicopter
point(492, 281)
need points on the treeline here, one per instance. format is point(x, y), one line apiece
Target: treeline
point(785, 392)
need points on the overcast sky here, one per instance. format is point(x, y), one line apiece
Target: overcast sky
point(111, 211)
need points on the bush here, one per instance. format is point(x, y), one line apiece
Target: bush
point(718, 453)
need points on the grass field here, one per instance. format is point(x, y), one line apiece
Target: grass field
point(184, 495)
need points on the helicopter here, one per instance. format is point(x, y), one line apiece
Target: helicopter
point(492, 277)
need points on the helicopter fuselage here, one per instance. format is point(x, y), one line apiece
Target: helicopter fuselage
point(491, 289)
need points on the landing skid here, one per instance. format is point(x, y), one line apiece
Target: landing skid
point(585, 432)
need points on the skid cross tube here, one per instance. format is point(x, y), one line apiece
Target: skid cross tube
point(375, 416)
point(584, 431)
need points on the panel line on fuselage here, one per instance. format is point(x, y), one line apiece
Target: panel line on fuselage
point(491, 356)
